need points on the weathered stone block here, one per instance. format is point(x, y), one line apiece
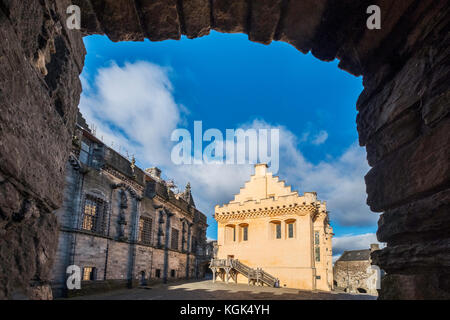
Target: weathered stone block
point(424, 219)
point(196, 18)
point(415, 286)
point(417, 168)
point(265, 15)
point(123, 13)
point(160, 19)
point(230, 16)
point(299, 22)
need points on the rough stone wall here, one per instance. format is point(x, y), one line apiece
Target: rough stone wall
point(353, 275)
point(402, 121)
point(40, 61)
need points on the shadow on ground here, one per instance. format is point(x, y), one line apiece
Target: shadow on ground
point(207, 290)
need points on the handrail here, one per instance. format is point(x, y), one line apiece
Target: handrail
point(257, 274)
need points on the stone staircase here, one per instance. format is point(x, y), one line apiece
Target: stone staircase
point(229, 268)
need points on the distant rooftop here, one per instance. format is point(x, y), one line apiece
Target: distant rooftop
point(355, 255)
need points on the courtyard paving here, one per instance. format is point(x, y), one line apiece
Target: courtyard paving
point(207, 290)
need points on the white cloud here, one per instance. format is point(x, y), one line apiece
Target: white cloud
point(320, 138)
point(134, 106)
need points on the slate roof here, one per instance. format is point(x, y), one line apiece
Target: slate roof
point(355, 255)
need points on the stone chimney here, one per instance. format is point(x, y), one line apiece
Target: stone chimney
point(260, 169)
point(374, 247)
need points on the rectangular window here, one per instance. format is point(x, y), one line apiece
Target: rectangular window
point(174, 240)
point(93, 214)
point(316, 238)
point(318, 254)
point(158, 273)
point(89, 273)
point(85, 152)
point(172, 273)
point(278, 230)
point(145, 230)
point(234, 234)
point(194, 245)
point(245, 233)
point(290, 230)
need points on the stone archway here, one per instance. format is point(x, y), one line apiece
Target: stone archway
point(403, 114)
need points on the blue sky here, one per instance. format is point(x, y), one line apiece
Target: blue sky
point(136, 93)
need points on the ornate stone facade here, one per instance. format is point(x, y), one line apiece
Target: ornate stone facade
point(269, 226)
point(123, 226)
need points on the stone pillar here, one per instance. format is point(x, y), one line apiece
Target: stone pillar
point(122, 215)
point(166, 245)
point(188, 249)
point(134, 223)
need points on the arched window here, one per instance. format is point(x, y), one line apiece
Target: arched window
point(275, 229)
point(230, 233)
point(291, 228)
point(243, 232)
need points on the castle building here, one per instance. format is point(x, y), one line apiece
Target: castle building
point(273, 233)
point(354, 273)
point(123, 226)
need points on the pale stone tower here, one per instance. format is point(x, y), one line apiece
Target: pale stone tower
point(269, 226)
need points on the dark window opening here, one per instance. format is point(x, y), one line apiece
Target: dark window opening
point(361, 290)
point(143, 280)
point(290, 230)
point(145, 230)
point(245, 231)
point(172, 273)
point(85, 152)
point(278, 231)
point(174, 240)
point(158, 273)
point(194, 245)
